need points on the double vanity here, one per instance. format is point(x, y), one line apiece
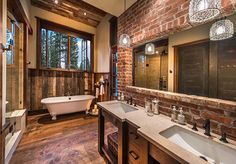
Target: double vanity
point(144, 139)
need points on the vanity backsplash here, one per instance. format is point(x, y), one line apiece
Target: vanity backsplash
point(222, 113)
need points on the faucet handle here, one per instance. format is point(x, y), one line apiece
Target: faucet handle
point(207, 127)
point(135, 103)
point(206, 123)
point(223, 138)
point(194, 126)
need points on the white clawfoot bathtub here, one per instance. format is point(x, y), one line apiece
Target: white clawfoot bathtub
point(70, 104)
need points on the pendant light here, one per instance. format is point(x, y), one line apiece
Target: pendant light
point(124, 40)
point(222, 29)
point(201, 11)
point(150, 49)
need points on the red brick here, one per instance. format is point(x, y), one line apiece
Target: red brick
point(148, 19)
point(216, 117)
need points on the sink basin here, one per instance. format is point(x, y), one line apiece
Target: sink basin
point(202, 147)
point(126, 108)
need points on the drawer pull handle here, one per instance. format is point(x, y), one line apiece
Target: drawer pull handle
point(135, 135)
point(134, 155)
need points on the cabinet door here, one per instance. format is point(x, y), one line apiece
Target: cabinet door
point(137, 147)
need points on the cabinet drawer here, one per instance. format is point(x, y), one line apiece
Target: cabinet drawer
point(135, 156)
point(137, 147)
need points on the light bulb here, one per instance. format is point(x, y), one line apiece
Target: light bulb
point(56, 1)
point(125, 41)
point(149, 49)
point(220, 30)
point(202, 5)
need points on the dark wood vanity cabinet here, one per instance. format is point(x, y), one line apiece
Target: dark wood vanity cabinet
point(132, 147)
point(157, 156)
point(137, 147)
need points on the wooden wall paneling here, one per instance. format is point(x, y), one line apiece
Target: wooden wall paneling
point(81, 84)
point(226, 53)
point(193, 69)
point(51, 83)
point(58, 83)
point(45, 83)
point(213, 73)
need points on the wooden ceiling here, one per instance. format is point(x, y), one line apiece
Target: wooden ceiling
point(73, 9)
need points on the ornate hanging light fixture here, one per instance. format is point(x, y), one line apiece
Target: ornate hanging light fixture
point(150, 49)
point(203, 10)
point(222, 29)
point(124, 40)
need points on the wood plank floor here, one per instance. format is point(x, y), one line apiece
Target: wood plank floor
point(72, 139)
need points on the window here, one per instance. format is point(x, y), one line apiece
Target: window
point(79, 54)
point(64, 48)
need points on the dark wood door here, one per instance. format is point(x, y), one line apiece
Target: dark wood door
point(193, 69)
point(2, 143)
point(226, 52)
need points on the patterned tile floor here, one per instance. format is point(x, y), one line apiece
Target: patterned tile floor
point(72, 139)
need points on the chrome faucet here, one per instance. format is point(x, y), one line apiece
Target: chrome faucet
point(207, 127)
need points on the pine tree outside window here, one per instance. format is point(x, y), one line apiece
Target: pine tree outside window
point(62, 49)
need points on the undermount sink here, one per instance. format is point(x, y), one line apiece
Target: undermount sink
point(202, 147)
point(126, 108)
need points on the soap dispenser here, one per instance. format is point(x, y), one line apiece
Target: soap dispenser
point(181, 117)
point(174, 114)
point(119, 96)
point(122, 98)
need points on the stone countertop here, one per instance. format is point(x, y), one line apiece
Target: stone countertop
point(150, 127)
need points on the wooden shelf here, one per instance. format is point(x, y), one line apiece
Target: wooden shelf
point(110, 157)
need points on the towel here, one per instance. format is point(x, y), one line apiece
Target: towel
point(102, 91)
point(97, 93)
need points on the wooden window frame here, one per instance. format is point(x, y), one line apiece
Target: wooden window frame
point(41, 23)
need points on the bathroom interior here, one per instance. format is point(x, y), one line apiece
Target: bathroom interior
point(118, 81)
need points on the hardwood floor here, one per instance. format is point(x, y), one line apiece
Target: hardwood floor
point(72, 139)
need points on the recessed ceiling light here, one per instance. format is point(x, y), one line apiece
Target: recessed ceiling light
point(85, 13)
point(56, 1)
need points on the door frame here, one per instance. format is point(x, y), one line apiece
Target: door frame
point(176, 61)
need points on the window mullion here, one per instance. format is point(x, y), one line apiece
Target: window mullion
point(68, 53)
point(47, 65)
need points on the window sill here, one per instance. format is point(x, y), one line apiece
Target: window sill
point(62, 70)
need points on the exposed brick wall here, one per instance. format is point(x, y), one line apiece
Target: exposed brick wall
point(222, 113)
point(152, 19)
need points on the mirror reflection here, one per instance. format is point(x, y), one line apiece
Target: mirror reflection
point(151, 70)
point(189, 62)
